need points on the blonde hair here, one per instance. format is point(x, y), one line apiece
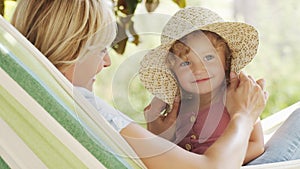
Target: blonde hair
point(64, 30)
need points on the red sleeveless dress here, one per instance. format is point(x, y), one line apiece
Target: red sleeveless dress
point(196, 132)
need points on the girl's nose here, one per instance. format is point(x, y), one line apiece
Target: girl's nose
point(198, 66)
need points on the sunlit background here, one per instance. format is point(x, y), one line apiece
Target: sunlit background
point(278, 58)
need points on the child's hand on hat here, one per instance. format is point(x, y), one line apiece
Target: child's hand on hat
point(159, 124)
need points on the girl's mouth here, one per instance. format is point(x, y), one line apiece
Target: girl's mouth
point(201, 80)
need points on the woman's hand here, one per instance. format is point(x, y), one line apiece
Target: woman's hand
point(245, 96)
point(159, 124)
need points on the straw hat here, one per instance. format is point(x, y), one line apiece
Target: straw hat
point(242, 39)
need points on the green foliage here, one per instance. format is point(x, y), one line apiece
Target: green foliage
point(2, 7)
point(124, 11)
point(180, 3)
point(279, 55)
point(8, 8)
point(3, 165)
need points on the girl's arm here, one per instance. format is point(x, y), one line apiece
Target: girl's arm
point(256, 143)
point(245, 102)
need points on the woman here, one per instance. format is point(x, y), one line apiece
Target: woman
point(74, 35)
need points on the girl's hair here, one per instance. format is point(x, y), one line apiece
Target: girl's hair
point(64, 30)
point(179, 49)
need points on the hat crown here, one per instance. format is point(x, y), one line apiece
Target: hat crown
point(186, 21)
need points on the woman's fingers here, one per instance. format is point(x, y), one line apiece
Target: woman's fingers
point(247, 98)
point(261, 83)
point(234, 81)
point(251, 78)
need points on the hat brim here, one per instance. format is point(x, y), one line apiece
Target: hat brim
point(156, 76)
point(242, 40)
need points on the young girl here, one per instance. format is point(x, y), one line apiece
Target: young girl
point(73, 35)
point(201, 62)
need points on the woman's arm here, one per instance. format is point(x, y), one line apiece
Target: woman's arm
point(157, 152)
point(256, 143)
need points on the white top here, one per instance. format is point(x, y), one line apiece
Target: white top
point(116, 118)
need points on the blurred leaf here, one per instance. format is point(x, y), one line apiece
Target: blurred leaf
point(136, 39)
point(120, 46)
point(124, 10)
point(120, 42)
point(127, 6)
point(180, 3)
point(151, 5)
point(133, 33)
point(122, 6)
point(2, 7)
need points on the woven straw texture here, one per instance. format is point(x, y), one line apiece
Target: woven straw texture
point(242, 39)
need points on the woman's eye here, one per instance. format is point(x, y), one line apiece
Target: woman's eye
point(185, 63)
point(208, 57)
point(104, 50)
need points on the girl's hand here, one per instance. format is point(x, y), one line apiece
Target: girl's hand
point(158, 124)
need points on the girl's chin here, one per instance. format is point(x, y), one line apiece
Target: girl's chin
point(201, 91)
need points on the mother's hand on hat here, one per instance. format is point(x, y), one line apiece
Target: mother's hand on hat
point(262, 84)
point(158, 124)
point(245, 96)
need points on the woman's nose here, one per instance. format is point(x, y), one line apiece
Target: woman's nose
point(107, 61)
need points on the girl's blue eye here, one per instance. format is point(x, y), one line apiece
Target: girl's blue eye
point(208, 57)
point(185, 63)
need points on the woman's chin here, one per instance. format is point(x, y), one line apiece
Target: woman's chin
point(89, 85)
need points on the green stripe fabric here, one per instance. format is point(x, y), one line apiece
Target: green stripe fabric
point(3, 164)
point(31, 84)
point(51, 96)
point(46, 146)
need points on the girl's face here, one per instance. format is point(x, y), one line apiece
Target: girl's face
point(202, 69)
point(84, 71)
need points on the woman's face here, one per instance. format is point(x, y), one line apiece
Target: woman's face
point(202, 69)
point(83, 72)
